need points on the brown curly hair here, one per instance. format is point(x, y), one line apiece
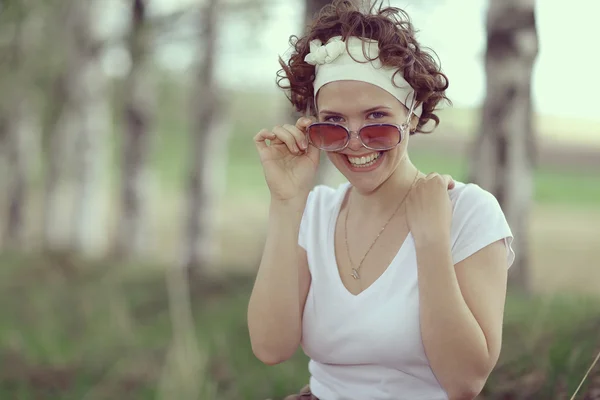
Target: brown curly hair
point(398, 47)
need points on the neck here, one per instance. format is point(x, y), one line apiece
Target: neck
point(390, 193)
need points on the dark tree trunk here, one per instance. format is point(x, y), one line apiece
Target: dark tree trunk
point(56, 139)
point(198, 251)
point(503, 154)
point(18, 171)
point(136, 140)
point(16, 129)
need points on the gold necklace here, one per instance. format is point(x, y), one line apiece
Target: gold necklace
point(355, 271)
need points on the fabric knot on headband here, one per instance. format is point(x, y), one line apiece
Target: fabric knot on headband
point(357, 59)
point(323, 54)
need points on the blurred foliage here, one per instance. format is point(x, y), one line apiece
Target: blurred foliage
point(74, 330)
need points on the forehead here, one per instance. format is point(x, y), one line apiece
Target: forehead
point(335, 96)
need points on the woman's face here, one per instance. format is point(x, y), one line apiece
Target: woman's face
point(355, 104)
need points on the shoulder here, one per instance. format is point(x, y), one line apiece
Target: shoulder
point(321, 204)
point(325, 198)
point(477, 221)
point(323, 201)
point(466, 196)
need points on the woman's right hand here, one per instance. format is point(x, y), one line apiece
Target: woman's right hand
point(289, 162)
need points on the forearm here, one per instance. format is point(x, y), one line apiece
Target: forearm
point(455, 344)
point(274, 319)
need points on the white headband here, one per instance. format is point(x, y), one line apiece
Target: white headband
point(333, 63)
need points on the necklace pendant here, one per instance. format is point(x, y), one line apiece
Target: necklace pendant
point(355, 274)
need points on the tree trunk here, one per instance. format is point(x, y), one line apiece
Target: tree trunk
point(91, 123)
point(19, 131)
point(16, 129)
point(57, 138)
point(503, 155)
point(4, 174)
point(199, 249)
point(66, 141)
point(75, 135)
point(136, 141)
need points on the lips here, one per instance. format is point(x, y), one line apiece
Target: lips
point(364, 162)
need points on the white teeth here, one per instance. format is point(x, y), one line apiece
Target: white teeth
point(364, 161)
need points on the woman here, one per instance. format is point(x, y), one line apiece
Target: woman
point(394, 283)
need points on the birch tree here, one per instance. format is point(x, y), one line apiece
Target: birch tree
point(138, 110)
point(91, 118)
point(16, 128)
point(56, 138)
point(198, 250)
point(76, 125)
point(503, 154)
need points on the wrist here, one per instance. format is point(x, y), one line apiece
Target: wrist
point(289, 206)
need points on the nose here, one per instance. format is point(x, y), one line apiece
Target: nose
point(354, 143)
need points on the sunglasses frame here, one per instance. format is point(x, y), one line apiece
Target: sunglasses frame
point(401, 129)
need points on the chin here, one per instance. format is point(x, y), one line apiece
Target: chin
point(367, 177)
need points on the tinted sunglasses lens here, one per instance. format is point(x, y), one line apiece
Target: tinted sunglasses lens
point(327, 137)
point(380, 137)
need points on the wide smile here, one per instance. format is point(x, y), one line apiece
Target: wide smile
point(364, 163)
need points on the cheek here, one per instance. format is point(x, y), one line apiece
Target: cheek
point(397, 153)
point(335, 158)
point(401, 149)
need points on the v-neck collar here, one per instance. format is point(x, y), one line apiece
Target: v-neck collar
point(333, 259)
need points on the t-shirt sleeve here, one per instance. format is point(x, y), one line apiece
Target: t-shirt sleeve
point(302, 234)
point(478, 221)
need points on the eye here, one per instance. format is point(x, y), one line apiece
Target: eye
point(333, 118)
point(377, 115)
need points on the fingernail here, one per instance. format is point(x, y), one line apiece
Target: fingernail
point(304, 144)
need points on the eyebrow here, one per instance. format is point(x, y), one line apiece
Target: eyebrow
point(364, 112)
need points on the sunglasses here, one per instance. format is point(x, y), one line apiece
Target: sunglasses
point(332, 137)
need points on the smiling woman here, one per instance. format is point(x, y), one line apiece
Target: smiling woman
point(380, 140)
point(394, 282)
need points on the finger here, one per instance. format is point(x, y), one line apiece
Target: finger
point(286, 137)
point(449, 181)
point(429, 177)
point(313, 153)
point(301, 140)
point(261, 137)
point(446, 180)
point(303, 122)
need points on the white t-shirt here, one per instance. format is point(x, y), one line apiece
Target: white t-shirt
point(368, 346)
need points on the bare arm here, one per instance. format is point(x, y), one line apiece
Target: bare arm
point(282, 283)
point(462, 308)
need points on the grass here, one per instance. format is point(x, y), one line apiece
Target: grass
point(72, 330)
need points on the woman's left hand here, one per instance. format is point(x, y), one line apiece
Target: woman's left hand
point(429, 210)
